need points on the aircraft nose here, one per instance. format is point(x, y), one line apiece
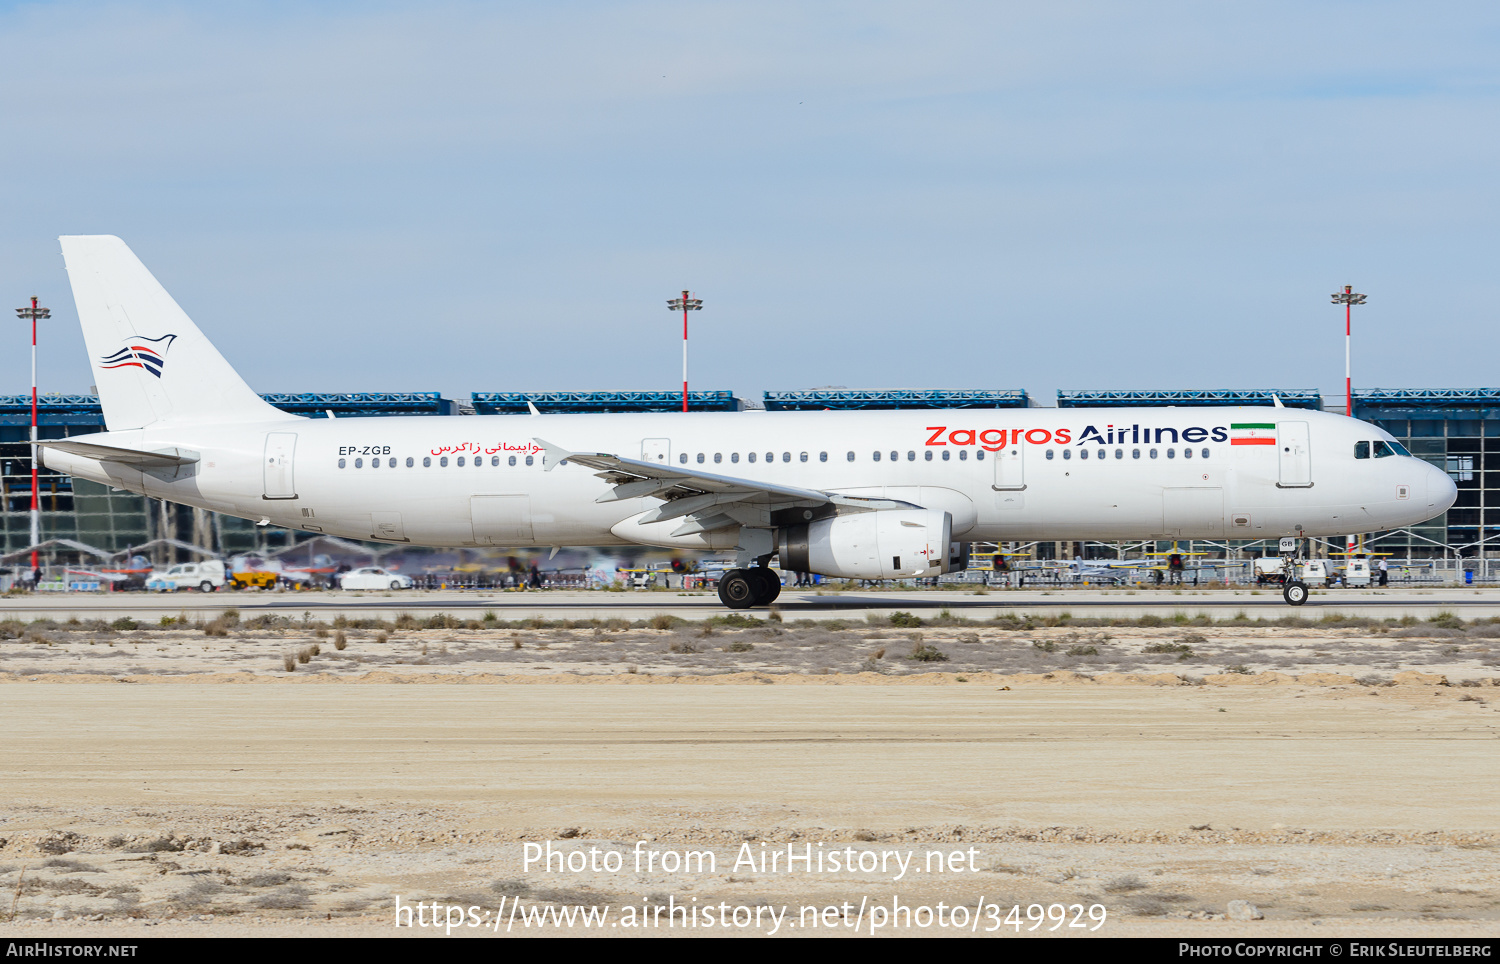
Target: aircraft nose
point(1441, 492)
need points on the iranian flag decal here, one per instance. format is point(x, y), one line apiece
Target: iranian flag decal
point(1252, 433)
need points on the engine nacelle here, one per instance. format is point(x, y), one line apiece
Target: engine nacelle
point(887, 544)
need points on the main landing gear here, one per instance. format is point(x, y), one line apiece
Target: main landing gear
point(743, 588)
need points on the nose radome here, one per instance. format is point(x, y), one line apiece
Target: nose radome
point(1441, 492)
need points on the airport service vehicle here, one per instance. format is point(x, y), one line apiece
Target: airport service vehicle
point(1273, 569)
point(848, 494)
point(372, 577)
point(205, 576)
point(252, 579)
point(1356, 573)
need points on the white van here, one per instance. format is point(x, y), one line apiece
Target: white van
point(203, 576)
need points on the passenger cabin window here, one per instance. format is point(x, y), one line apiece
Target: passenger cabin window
point(1067, 453)
point(460, 461)
point(877, 456)
point(822, 456)
point(751, 456)
point(1082, 453)
point(427, 461)
point(802, 457)
point(528, 459)
point(700, 458)
point(1049, 455)
point(1171, 453)
point(341, 463)
point(947, 455)
point(734, 456)
point(512, 460)
point(682, 458)
point(927, 455)
point(1119, 453)
point(718, 457)
point(851, 457)
point(359, 463)
point(895, 456)
point(963, 455)
point(1153, 453)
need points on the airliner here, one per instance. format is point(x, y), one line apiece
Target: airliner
point(848, 494)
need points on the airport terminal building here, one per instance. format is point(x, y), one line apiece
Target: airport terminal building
point(1455, 429)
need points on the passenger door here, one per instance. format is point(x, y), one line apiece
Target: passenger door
point(279, 482)
point(1294, 448)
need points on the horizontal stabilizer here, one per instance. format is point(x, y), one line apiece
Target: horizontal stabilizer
point(110, 453)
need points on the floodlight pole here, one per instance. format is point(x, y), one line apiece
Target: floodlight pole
point(33, 313)
point(685, 304)
point(1348, 298)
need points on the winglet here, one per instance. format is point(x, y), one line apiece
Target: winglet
point(532, 407)
point(1277, 400)
point(553, 455)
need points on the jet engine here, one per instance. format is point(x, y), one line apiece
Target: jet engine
point(886, 544)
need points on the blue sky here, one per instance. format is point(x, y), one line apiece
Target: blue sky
point(491, 196)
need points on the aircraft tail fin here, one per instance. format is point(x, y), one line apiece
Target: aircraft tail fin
point(150, 362)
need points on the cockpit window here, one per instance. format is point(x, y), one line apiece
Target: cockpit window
point(1384, 449)
point(1361, 450)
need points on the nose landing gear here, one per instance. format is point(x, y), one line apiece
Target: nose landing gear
point(1295, 590)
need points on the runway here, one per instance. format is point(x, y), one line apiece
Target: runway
point(1218, 604)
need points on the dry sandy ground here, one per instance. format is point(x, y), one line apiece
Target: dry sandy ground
point(142, 798)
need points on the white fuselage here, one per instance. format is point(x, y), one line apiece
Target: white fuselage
point(1002, 474)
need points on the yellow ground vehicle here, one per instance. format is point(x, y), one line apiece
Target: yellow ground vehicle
point(252, 580)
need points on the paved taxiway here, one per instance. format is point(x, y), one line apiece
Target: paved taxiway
point(1218, 604)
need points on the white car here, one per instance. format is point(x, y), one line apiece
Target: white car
point(203, 576)
point(373, 578)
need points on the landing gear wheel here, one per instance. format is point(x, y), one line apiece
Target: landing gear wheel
point(737, 589)
point(1295, 593)
point(767, 586)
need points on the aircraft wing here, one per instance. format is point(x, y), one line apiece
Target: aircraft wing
point(709, 499)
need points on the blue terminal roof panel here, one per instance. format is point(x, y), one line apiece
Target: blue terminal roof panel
point(353, 404)
point(85, 409)
point(52, 410)
point(841, 398)
point(555, 403)
point(1440, 403)
point(1291, 398)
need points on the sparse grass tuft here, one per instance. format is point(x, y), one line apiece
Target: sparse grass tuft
point(923, 653)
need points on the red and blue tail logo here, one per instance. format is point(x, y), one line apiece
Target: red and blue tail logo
point(147, 353)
